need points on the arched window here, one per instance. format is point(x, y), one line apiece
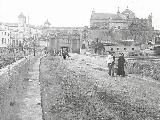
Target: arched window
point(83, 46)
point(111, 49)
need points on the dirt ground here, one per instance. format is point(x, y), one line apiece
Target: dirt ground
point(74, 90)
point(20, 97)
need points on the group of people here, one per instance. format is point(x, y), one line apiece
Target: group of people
point(116, 66)
point(65, 54)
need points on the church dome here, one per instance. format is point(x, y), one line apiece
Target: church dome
point(129, 13)
point(21, 15)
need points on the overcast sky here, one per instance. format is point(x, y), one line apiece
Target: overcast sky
point(74, 12)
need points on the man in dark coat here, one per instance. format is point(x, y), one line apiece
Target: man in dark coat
point(121, 62)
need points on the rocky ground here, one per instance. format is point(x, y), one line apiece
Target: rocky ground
point(74, 90)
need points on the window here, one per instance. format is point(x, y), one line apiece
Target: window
point(111, 49)
point(83, 46)
point(132, 48)
point(2, 40)
point(16, 42)
point(119, 27)
point(125, 49)
point(8, 34)
point(117, 48)
point(5, 33)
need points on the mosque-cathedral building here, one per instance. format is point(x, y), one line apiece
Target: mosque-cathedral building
point(120, 26)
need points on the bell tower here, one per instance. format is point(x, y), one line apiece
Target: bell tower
point(21, 19)
point(47, 24)
point(118, 12)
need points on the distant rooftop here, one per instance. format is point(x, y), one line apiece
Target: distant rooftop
point(47, 22)
point(21, 15)
point(118, 15)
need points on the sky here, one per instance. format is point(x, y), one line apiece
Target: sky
point(74, 13)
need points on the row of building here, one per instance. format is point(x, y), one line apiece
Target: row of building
point(24, 34)
point(104, 28)
point(110, 28)
point(18, 34)
point(121, 26)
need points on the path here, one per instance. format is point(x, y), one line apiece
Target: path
point(30, 106)
point(137, 88)
point(108, 97)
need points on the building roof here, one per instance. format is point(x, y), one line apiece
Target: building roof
point(127, 11)
point(12, 24)
point(21, 15)
point(1, 29)
point(119, 17)
point(47, 22)
point(101, 16)
point(67, 28)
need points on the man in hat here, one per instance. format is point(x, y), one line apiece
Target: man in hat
point(110, 63)
point(121, 63)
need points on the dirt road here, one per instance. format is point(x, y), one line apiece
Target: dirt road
point(30, 102)
point(72, 89)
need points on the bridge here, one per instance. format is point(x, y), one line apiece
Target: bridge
point(45, 87)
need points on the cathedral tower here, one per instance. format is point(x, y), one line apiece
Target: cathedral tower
point(21, 19)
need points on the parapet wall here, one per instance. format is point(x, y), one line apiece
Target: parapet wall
point(94, 60)
point(12, 85)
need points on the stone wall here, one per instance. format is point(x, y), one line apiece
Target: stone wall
point(12, 83)
point(110, 35)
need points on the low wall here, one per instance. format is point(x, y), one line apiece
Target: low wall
point(94, 60)
point(146, 67)
point(12, 83)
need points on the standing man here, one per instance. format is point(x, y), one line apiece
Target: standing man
point(110, 63)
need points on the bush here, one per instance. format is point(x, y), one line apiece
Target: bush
point(149, 69)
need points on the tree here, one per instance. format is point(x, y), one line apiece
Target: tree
point(98, 47)
point(157, 50)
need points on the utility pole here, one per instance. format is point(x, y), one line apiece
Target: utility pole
point(34, 45)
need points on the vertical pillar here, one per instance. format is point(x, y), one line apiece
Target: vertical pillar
point(71, 40)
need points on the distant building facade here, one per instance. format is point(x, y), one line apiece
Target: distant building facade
point(120, 26)
point(5, 35)
point(65, 37)
point(122, 49)
point(23, 33)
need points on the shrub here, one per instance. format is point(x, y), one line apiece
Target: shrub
point(149, 69)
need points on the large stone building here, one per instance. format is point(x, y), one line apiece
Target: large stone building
point(120, 26)
point(5, 40)
point(65, 37)
point(23, 33)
